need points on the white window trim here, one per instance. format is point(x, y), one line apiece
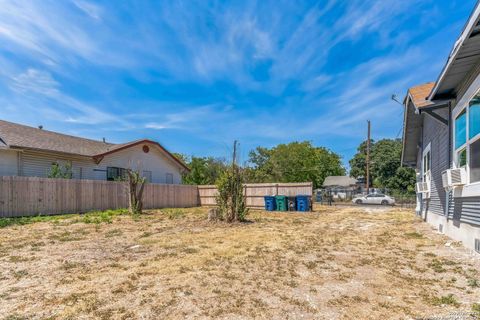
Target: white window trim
point(470, 189)
point(428, 173)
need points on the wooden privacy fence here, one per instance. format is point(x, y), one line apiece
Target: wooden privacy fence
point(23, 196)
point(26, 196)
point(254, 192)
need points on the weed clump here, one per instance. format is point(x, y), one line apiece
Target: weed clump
point(98, 217)
point(445, 300)
point(173, 213)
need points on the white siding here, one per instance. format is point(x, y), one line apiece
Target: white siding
point(154, 161)
point(8, 163)
point(36, 164)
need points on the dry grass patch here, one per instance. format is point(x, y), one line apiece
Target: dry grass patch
point(334, 263)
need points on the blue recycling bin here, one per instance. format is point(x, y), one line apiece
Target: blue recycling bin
point(270, 203)
point(303, 203)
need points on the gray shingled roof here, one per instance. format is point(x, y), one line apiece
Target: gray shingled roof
point(14, 135)
point(341, 181)
point(20, 136)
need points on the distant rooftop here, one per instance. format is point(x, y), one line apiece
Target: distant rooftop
point(420, 94)
point(340, 181)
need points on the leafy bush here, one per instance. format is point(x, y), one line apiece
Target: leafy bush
point(61, 172)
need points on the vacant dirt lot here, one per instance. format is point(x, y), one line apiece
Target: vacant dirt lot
point(348, 263)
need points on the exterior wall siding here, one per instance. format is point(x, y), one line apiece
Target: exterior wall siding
point(37, 164)
point(465, 210)
point(154, 161)
point(154, 164)
point(8, 163)
point(462, 221)
point(436, 134)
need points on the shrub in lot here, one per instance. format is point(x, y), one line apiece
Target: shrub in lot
point(230, 199)
point(136, 183)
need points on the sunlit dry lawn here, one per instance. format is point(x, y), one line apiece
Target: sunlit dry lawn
point(348, 263)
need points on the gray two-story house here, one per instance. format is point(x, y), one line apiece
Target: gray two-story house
point(441, 133)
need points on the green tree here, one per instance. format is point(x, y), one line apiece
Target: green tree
point(385, 166)
point(293, 162)
point(359, 160)
point(203, 170)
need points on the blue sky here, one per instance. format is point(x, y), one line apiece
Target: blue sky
point(197, 75)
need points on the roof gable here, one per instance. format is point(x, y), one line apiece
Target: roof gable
point(419, 94)
point(20, 136)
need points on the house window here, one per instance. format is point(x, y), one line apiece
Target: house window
point(461, 130)
point(467, 139)
point(169, 178)
point(147, 175)
point(115, 174)
point(426, 167)
point(475, 161)
point(474, 118)
point(462, 158)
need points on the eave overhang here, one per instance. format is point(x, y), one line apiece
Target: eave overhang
point(463, 57)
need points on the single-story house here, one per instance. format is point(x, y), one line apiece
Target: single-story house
point(28, 151)
point(441, 140)
point(340, 187)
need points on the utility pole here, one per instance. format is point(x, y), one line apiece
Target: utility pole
point(368, 159)
point(234, 153)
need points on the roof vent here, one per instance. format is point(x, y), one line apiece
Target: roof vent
point(40, 127)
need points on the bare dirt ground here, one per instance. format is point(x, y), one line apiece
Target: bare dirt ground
point(336, 263)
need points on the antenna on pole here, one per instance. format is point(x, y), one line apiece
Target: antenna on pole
point(368, 159)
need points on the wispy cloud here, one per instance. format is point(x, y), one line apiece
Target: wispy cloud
point(89, 8)
point(260, 71)
point(42, 86)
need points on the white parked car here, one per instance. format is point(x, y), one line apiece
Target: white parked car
point(374, 198)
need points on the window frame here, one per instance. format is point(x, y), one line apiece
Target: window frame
point(472, 141)
point(147, 174)
point(427, 173)
point(119, 173)
point(464, 107)
point(167, 176)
